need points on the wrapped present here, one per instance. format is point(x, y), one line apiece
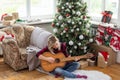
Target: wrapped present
point(83, 64)
point(107, 15)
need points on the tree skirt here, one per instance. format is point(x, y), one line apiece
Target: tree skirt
point(91, 74)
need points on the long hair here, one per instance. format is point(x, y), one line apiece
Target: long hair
point(51, 41)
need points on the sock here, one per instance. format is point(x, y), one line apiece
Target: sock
point(57, 75)
point(81, 76)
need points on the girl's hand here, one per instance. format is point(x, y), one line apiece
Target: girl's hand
point(50, 59)
point(76, 58)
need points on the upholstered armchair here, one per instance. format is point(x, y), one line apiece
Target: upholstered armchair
point(14, 49)
point(20, 52)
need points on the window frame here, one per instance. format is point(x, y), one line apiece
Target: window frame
point(98, 18)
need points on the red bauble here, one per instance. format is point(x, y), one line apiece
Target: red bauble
point(66, 29)
point(67, 15)
point(53, 25)
point(84, 17)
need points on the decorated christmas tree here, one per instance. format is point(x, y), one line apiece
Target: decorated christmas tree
point(71, 25)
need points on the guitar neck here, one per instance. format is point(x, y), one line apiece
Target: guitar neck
point(72, 58)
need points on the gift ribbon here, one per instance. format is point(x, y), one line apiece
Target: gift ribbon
point(106, 14)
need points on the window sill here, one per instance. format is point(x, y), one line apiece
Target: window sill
point(36, 22)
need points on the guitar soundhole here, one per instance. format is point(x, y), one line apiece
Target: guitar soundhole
point(57, 60)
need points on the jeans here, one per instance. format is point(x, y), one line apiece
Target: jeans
point(67, 69)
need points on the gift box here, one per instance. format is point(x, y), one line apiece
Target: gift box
point(112, 54)
point(83, 64)
point(107, 15)
point(118, 57)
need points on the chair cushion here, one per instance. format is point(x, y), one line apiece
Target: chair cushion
point(39, 37)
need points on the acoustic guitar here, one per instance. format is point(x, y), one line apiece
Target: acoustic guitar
point(60, 60)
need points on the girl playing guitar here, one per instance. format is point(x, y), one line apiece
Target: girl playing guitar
point(54, 47)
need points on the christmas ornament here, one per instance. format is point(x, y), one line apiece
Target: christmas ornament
point(72, 30)
point(78, 13)
point(69, 21)
point(60, 17)
point(67, 15)
point(90, 40)
point(64, 31)
point(75, 47)
point(81, 37)
point(71, 42)
point(63, 7)
point(74, 26)
point(67, 3)
point(73, 22)
point(66, 35)
point(79, 44)
point(70, 51)
point(55, 30)
point(62, 25)
point(80, 23)
point(77, 29)
point(61, 34)
point(53, 25)
point(88, 25)
point(57, 24)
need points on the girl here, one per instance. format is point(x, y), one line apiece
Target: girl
point(54, 46)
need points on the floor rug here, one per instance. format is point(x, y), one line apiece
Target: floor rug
point(91, 74)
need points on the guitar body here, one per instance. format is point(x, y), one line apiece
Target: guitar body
point(47, 66)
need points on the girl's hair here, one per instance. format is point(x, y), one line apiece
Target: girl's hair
point(51, 41)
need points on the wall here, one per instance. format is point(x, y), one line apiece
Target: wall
point(46, 26)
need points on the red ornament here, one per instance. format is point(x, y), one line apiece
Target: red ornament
point(84, 17)
point(53, 25)
point(67, 15)
point(66, 29)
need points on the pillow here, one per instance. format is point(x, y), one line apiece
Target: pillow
point(34, 35)
point(39, 37)
point(42, 39)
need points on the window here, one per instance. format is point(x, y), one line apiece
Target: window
point(42, 7)
point(29, 8)
point(9, 6)
point(112, 5)
point(95, 7)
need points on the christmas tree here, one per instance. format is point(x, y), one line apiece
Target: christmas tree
point(71, 25)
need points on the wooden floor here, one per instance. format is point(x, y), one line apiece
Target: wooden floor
point(6, 73)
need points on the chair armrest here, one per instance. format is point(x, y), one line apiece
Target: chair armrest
point(10, 48)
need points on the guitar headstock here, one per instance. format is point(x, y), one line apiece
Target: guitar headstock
point(89, 55)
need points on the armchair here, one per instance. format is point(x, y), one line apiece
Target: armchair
point(14, 50)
